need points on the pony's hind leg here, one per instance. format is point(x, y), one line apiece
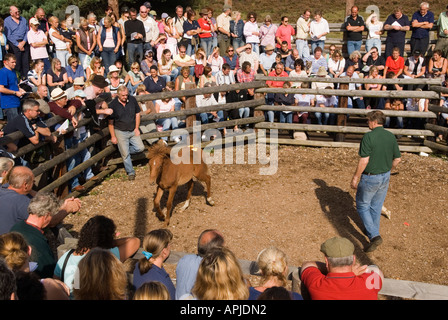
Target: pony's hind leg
point(208, 181)
point(190, 185)
point(157, 199)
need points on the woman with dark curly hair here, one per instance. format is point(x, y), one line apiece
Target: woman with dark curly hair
point(97, 232)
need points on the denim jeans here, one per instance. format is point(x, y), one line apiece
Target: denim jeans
point(399, 122)
point(82, 58)
point(128, 143)
point(135, 52)
point(78, 158)
point(370, 196)
point(315, 44)
point(320, 116)
point(286, 117)
point(167, 124)
point(255, 47)
point(207, 45)
point(109, 56)
point(172, 76)
point(237, 43)
point(304, 49)
point(10, 113)
point(353, 46)
point(147, 127)
point(244, 112)
point(370, 43)
point(63, 55)
point(208, 117)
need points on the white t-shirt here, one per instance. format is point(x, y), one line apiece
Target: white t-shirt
point(319, 28)
point(58, 44)
point(165, 106)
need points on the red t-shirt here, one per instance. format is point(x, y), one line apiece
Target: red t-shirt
point(204, 26)
point(276, 84)
point(394, 65)
point(341, 286)
point(285, 33)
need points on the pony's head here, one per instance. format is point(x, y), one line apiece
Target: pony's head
point(157, 153)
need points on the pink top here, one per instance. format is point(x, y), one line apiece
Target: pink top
point(33, 37)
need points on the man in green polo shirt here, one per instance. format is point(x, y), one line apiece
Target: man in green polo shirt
point(379, 154)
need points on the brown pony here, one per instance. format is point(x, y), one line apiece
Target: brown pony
point(170, 176)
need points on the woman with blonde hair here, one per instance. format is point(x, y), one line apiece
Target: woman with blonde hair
point(156, 249)
point(16, 252)
point(57, 75)
point(100, 276)
point(95, 67)
point(153, 290)
point(273, 266)
point(220, 277)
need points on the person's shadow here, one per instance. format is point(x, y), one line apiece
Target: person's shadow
point(340, 209)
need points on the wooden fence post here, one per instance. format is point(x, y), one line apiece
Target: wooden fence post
point(190, 103)
point(341, 119)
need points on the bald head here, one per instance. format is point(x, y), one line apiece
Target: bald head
point(210, 238)
point(21, 179)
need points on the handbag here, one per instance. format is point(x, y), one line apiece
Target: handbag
point(198, 70)
point(194, 41)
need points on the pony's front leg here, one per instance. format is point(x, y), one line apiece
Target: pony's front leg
point(190, 185)
point(169, 205)
point(157, 199)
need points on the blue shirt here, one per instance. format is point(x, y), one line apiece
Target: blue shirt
point(186, 271)
point(152, 86)
point(14, 208)
point(154, 274)
point(397, 35)
point(16, 31)
point(79, 72)
point(8, 79)
point(420, 33)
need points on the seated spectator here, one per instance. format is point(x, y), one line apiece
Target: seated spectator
point(231, 58)
point(166, 66)
point(355, 61)
point(154, 83)
point(246, 54)
point(134, 78)
point(273, 266)
point(299, 71)
point(219, 278)
point(206, 100)
point(157, 248)
point(289, 61)
point(317, 60)
point(114, 81)
point(74, 70)
point(326, 101)
point(153, 290)
point(226, 76)
point(122, 73)
point(303, 100)
point(246, 74)
point(267, 59)
point(207, 77)
point(437, 65)
point(147, 63)
point(146, 107)
point(215, 61)
point(57, 76)
point(285, 99)
point(371, 102)
point(162, 106)
point(279, 71)
point(373, 58)
point(414, 68)
point(200, 58)
point(101, 277)
point(184, 60)
point(98, 232)
point(95, 67)
point(275, 293)
point(336, 64)
point(41, 209)
point(36, 76)
point(393, 103)
point(188, 265)
point(395, 64)
point(284, 51)
point(340, 277)
point(359, 101)
point(321, 73)
point(416, 104)
point(16, 252)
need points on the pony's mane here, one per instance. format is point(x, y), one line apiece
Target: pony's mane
point(158, 150)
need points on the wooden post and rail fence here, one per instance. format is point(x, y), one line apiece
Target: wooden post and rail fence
point(403, 289)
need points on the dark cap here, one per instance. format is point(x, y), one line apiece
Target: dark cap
point(337, 247)
point(99, 81)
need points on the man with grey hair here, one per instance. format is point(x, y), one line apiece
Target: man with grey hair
point(340, 277)
point(41, 209)
point(422, 22)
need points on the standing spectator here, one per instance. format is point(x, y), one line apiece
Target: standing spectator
point(43, 22)
point(191, 32)
point(396, 26)
point(303, 31)
point(85, 42)
point(284, 33)
point(156, 249)
point(442, 25)
point(10, 93)
point(319, 28)
point(16, 29)
point(151, 29)
point(224, 34)
point(375, 30)
point(61, 44)
point(109, 42)
point(340, 277)
point(252, 32)
point(215, 26)
point(422, 22)
point(135, 37)
point(38, 43)
point(354, 26)
point(124, 130)
point(267, 33)
point(237, 29)
point(379, 154)
point(395, 63)
point(206, 32)
point(3, 44)
point(178, 22)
